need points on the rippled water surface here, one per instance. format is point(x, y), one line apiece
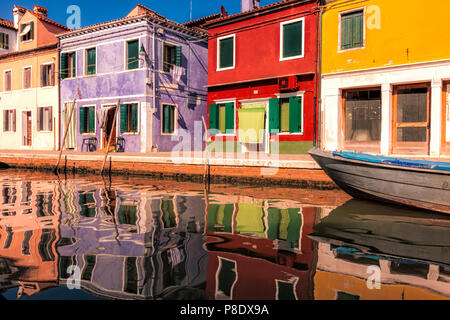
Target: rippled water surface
point(136, 238)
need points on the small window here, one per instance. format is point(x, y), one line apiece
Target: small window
point(172, 57)
point(45, 247)
point(133, 54)
point(168, 119)
point(286, 289)
point(226, 278)
point(168, 214)
point(9, 120)
point(129, 118)
point(8, 80)
point(45, 119)
point(87, 119)
point(286, 115)
point(91, 61)
point(4, 41)
point(222, 118)
point(27, 78)
point(47, 75)
point(292, 39)
point(68, 65)
point(127, 214)
point(87, 204)
point(27, 31)
point(226, 50)
point(352, 30)
point(90, 262)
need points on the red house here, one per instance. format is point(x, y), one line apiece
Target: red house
point(262, 78)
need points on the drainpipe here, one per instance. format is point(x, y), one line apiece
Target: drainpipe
point(153, 84)
point(57, 66)
point(317, 98)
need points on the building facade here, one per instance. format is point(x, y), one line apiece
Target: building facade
point(262, 78)
point(8, 36)
point(29, 86)
point(154, 68)
point(384, 86)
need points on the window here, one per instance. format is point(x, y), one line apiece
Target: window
point(4, 41)
point(226, 279)
point(292, 35)
point(127, 214)
point(286, 115)
point(48, 75)
point(91, 61)
point(90, 261)
point(9, 120)
point(68, 65)
point(171, 57)
point(225, 49)
point(8, 80)
point(87, 119)
point(27, 31)
point(286, 289)
point(362, 110)
point(133, 54)
point(44, 204)
point(346, 296)
point(45, 119)
point(131, 276)
point(129, 118)
point(168, 119)
point(352, 30)
point(168, 216)
point(220, 217)
point(87, 204)
point(222, 118)
point(45, 249)
point(27, 78)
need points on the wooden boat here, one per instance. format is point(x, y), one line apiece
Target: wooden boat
point(411, 182)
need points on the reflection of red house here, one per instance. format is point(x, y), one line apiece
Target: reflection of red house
point(262, 73)
point(244, 267)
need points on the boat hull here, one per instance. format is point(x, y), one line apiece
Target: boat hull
point(421, 188)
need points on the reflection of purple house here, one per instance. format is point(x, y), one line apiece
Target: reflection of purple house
point(156, 68)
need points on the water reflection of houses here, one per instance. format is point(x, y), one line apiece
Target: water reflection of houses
point(133, 244)
point(28, 235)
point(410, 248)
point(246, 234)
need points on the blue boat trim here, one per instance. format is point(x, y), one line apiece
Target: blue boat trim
point(411, 163)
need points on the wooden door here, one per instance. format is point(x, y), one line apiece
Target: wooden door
point(411, 119)
point(27, 128)
point(109, 125)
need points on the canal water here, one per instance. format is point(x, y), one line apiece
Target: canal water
point(84, 237)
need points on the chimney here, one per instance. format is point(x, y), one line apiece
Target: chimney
point(247, 5)
point(18, 13)
point(40, 10)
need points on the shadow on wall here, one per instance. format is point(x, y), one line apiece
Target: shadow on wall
point(4, 165)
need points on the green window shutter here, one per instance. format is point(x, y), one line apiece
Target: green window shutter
point(2, 40)
point(274, 115)
point(134, 117)
point(74, 64)
point(91, 119)
point(358, 31)
point(83, 115)
point(91, 61)
point(229, 116)
point(64, 66)
point(133, 54)
point(346, 32)
point(31, 30)
point(213, 117)
point(292, 39)
point(172, 119)
point(166, 119)
point(123, 118)
point(7, 41)
point(226, 48)
point(295, 114)
point(178, 56)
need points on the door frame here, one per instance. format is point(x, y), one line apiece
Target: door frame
point(22, 129)
point(445, 146)
point(410, 148)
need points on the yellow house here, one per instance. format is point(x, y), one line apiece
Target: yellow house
point(385, 76)
point(29, 101)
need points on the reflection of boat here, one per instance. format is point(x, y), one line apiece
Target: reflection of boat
point(390, 231)
point(417, 183)
point(410, 248)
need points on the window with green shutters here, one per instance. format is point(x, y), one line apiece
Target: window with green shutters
point(129, 118)
point(226, 52)
point(171, 57)
point(4, 41)
point(292, 39)
point(91, 61)
point(352, 30)
point(87, 119)
point(222, 118)
point(286, 115)
point(168, 119)
point(133, 54)
point(68, 65)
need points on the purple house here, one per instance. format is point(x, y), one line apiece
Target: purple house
point(153, 68)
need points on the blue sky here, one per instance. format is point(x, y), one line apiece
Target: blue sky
point(97, 11)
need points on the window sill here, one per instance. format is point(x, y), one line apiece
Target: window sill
point(287, 134)
point(224, 69)
point(45, 131)
point(86, 134)
point(292, 58)
point(47, 87)
point(130, 133)
point(351, 49)
point(9, 132)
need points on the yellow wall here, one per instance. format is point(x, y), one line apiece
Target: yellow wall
point(29, 99)
point(396, 33)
